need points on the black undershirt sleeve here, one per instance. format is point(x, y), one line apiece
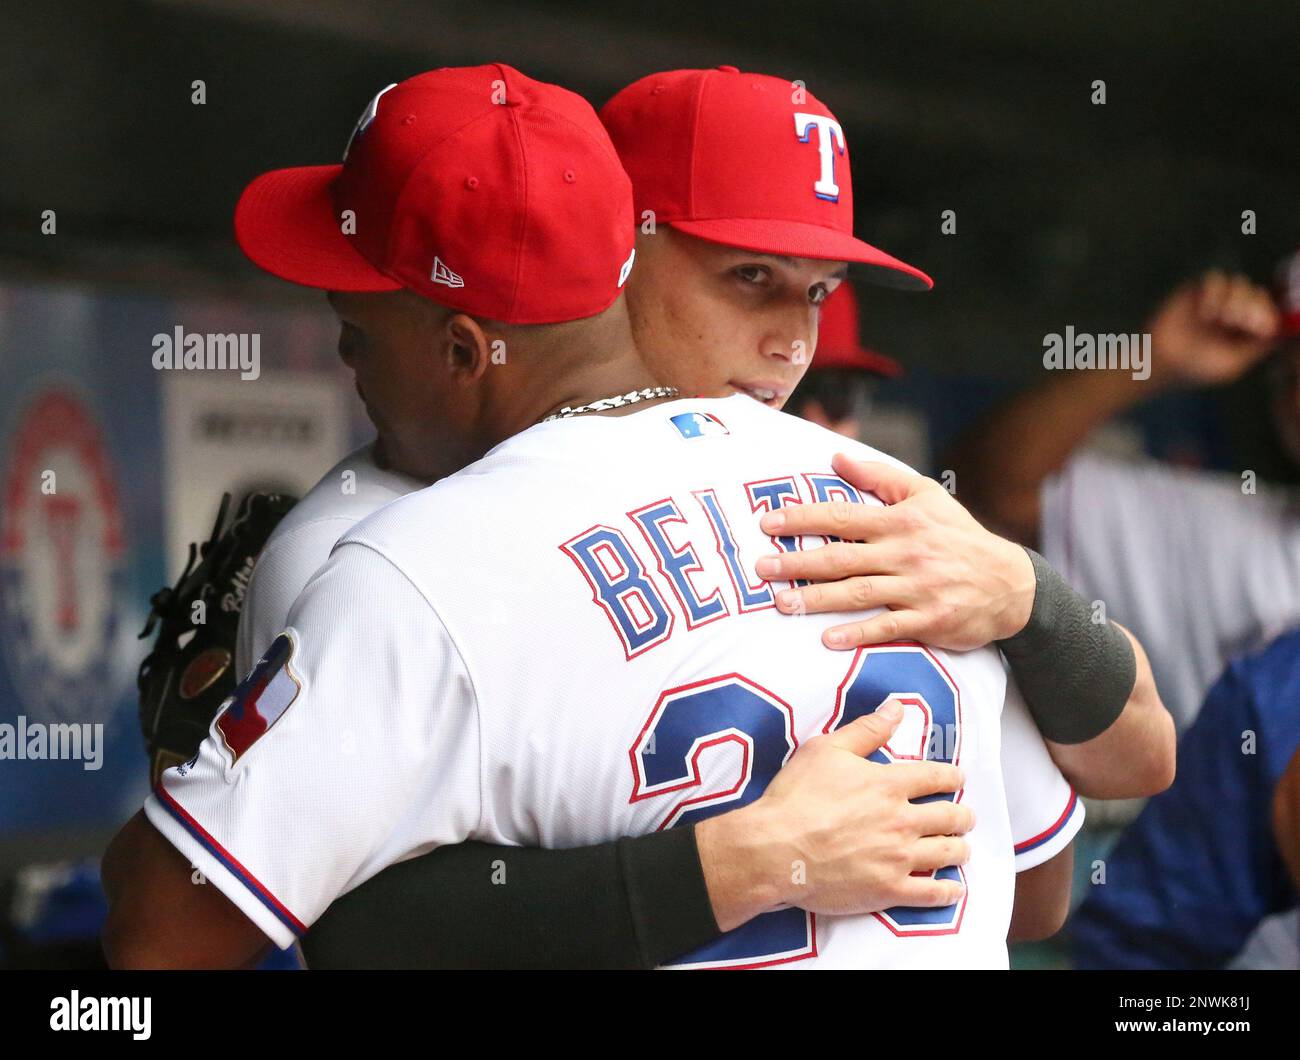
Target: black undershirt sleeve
point(632, 903)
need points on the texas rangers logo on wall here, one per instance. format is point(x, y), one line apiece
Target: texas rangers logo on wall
point(62, 558)
point(260, 700)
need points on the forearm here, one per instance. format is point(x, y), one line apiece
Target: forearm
point(1089, 687)
point(740, 869)
point(1135, 756)
point(123, 942)
point(1000, 478)
point(114, 869)
point(161, 916)
point(1042, 899)
point(832, 832)
point(633, 903)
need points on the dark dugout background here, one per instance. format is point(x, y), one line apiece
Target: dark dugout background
point(1067, 212)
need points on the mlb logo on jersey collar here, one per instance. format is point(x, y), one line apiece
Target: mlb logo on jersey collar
point(698, 425)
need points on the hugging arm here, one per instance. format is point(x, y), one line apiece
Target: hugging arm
point(637, 902)
point(928, 571)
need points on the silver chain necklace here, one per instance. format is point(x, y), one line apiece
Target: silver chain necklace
point(618, 401)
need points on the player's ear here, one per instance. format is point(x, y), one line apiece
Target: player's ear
point(468, 349)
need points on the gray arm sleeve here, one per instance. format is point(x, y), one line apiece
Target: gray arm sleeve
point(1075, 673)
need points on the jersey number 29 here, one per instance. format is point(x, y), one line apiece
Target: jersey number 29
point(690, 719)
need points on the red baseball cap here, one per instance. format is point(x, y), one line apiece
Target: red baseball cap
point(838, 342)
point(745, 160)
point(477, 187)
point(1287, 292)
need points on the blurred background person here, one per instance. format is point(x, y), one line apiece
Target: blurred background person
point(1201, 566)
point(1217, 854)
point(836, 392)
point(1204, 566)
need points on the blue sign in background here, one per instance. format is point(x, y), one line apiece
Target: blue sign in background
point(85, 356)
point(92, 351)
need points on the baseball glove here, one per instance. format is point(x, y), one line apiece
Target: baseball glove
point(191, 669)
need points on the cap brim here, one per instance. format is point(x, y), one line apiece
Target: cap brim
point(799, 239)
point(285, 223)
point(858, 359)
point(877, 364)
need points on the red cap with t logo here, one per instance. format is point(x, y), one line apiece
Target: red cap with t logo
point(839, 344)
point(1287, 291)
point(477, 187)
point(745, 160)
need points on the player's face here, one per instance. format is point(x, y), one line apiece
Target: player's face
point(714, 320)
point(390, 341)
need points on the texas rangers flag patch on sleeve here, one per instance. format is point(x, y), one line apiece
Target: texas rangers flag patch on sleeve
point(260, 700)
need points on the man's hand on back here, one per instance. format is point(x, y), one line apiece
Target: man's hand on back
point(836, 833)
point(944, 579)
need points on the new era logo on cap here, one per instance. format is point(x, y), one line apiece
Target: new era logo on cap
point(443, 275)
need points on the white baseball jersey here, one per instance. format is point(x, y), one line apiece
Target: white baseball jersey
point(595, 659)
point(354, 488)
point(1198, 570)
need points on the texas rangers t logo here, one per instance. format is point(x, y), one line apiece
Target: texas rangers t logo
point(828, 133)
